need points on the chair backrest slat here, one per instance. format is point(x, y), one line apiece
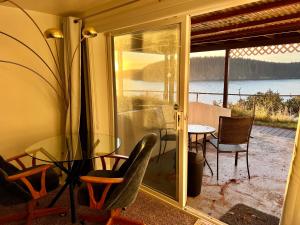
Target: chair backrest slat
point(234, 130)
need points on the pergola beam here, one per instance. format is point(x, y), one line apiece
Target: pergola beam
point(250, 32)
point(247, 24)
point(238, 11)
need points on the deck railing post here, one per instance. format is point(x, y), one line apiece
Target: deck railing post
point(226, 72)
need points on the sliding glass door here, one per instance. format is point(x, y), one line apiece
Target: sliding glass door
point(148, 99)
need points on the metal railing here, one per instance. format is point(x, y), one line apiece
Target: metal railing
point(197, 94)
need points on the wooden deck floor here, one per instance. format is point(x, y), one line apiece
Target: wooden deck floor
point(279, 132)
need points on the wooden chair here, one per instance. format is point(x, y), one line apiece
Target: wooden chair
point(111, 191)
point(233, 132)
point(26, 185)
point(167, 130)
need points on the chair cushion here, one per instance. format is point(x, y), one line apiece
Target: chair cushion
point(9, 168)
point(227, 148)
point(11, 193)
point(83, 194)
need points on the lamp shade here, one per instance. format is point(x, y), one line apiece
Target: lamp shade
point(89, 32)
point(54, 33)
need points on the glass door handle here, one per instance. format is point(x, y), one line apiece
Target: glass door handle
point(179, 120)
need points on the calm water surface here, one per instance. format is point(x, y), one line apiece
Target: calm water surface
point(284, 87)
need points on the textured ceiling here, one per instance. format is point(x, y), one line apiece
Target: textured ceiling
point(68, 7)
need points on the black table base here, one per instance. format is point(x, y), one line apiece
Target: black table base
point(73, 172)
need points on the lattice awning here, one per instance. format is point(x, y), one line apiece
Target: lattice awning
point(260, 23)
point(265, 50)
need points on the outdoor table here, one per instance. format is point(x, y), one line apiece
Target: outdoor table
point(66, 153)
point(197, 129)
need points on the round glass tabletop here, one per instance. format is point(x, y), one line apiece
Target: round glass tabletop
point(69, 148)
point(200, 129)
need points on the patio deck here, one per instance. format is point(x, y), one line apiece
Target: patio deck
point(270, 154)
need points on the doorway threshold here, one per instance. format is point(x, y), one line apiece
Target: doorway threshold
point(204, 219)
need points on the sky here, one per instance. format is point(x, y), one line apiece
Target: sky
point(138, 60)
point(283, 57)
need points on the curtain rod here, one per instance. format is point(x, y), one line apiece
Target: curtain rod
point(107, 10)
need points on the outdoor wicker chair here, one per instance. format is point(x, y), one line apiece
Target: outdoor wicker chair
point(233, 137)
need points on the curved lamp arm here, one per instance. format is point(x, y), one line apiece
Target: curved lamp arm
point(39, 29)
point(35, 53)
point(35, 72)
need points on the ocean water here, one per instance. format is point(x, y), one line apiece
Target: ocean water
point(283, 87)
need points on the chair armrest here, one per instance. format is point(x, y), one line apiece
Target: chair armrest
point(113, 156)
point(101, 180)
point(23, 177)
point(89, 180)
point(20, 163)
point(16, 157)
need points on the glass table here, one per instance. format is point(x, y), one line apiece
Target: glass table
point(197, 129)
point(67, 153)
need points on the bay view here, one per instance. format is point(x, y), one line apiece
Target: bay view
point(283, 87)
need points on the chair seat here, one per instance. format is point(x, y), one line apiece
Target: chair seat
point(227, 147)
point(83, 194)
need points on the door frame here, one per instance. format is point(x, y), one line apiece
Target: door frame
point(183, 87)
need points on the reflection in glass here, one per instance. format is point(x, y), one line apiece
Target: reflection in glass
point(146, 84)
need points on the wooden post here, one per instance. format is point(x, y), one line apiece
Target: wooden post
point(226, 72)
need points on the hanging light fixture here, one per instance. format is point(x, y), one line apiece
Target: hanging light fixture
point(53, 33)
point(89, 32)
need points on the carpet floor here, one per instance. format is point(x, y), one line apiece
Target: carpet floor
point(146, 208)
point(161, 174)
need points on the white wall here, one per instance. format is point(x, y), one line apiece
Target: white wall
point(30, 110)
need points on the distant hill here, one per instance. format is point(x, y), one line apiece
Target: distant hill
point(212, 68)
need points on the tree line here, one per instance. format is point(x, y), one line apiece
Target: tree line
point(212, 68)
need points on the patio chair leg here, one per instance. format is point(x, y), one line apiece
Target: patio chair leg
point(217, 165)
point(165, 147)
point(248, 166)
point(236, 158)
point(159, 151)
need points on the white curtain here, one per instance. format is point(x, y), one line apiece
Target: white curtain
point(72, 36)
point(291, 208)
point(72, 68)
